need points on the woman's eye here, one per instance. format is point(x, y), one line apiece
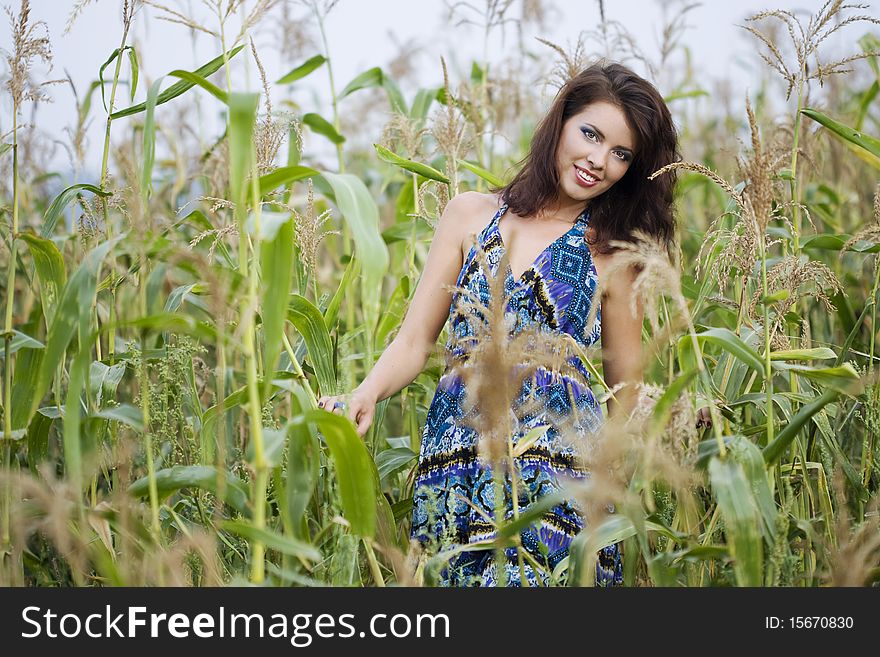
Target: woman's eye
point(623, 156)
point(589, 134)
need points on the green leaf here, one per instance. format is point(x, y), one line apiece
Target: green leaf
point(113, 56)
point(242, 115)
point(180, 294)
point(663, 408)
point(104, 379)
point(830, 242)
point(303, 69)
point(21, 341)
point(198, 80)
point(390, 461)
point(741, 520)
point(273, 541)
point(352, 269)
point(71, 441)
point(181, 87)
point(51, 273)
point(394, 313)
point(376, 77)
point(355, 470)
point(170, 480)
point(776, 449)
point(729, 342)
point(416, 167)
point(749, 456)
point(133, 63)
point(284, 176)
point(276, 269)
point(417, 229)
point(422, 103)
point(149, 150)
point(38, 442)
point(817, 353)
point(842, 378)
point(370, 78)
point(60, 203)
point(310, 323)
point(273, 446)
point(868, 147)
point(125, 413)
point(770, 299)
point(486, 175)
point(359, 209)
point(74, 310)
point(690, 93)
point(303, 465)
point(323, 127)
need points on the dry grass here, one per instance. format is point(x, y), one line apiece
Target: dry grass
point(497, 359)
point(805, 41)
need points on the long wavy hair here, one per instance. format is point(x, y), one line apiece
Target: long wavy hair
point(633, 201)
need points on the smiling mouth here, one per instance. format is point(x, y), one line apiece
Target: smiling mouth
point(584, 176)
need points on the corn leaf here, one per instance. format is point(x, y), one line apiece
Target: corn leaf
point(866, 146)
point(359, 209)
point(355, 471)
point(303, 70)
point(74, 309)
point(170, 480)
point(276, 257)
point(741, 520)
point(283, 176)
point(310, 323)
point(323, 127)
point(60, 203)
point(51, 273)
point(303, 465)
point(273, 541)
point(181, 87)
point(485, 174)
point(416, 167)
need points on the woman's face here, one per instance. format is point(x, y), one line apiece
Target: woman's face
point(595, 150)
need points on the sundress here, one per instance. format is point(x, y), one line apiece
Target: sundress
point(453, 501)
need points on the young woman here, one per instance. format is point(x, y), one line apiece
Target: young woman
point(583, 183)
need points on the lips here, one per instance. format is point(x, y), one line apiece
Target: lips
point(584, 178)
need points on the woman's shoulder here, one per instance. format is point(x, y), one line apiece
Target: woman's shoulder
point(473, 202)
point(470, 211)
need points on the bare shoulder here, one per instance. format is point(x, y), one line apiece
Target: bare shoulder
point(468, 213)
point(472, 205)
point(616, 274)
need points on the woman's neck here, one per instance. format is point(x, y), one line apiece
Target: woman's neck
point(567, 211)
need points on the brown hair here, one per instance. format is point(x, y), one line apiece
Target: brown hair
point(632, 202)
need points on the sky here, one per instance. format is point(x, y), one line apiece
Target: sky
point(366, 33)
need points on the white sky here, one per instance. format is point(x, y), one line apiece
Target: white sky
point(365, 33)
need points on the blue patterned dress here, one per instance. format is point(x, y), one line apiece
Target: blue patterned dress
point(454, 489)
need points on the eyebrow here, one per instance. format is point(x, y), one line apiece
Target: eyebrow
point(599, 132)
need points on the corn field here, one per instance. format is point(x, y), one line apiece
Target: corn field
point(171, 319)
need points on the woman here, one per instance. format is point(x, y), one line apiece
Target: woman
point(583, 184)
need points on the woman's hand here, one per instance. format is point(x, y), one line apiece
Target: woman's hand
point(704, 418)
point(358, 406)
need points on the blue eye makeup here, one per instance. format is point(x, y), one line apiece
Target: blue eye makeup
point(589, 133)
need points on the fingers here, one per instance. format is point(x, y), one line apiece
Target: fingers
point(332, 404)
point(354, 411)
point(704, 418)
point(364, 424)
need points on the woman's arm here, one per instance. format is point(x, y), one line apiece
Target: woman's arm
point(405, 357)
point(622, 341)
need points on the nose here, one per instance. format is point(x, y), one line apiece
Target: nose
point(596, 161)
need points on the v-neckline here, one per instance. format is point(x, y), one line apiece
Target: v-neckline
point(580, 219)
